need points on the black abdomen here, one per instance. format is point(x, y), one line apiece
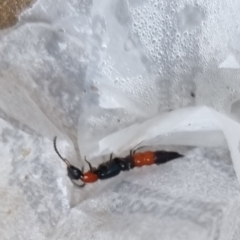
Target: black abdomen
point(163, 156)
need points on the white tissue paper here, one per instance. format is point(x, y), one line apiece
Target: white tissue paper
point(107, 75)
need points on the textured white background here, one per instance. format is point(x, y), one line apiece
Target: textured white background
point(82, 70)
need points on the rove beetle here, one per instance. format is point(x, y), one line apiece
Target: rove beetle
point(114, 166)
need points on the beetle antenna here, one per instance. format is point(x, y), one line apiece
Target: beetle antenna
point(77, 185)
point(56, 150)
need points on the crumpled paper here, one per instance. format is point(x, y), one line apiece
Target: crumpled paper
point(104, 76)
